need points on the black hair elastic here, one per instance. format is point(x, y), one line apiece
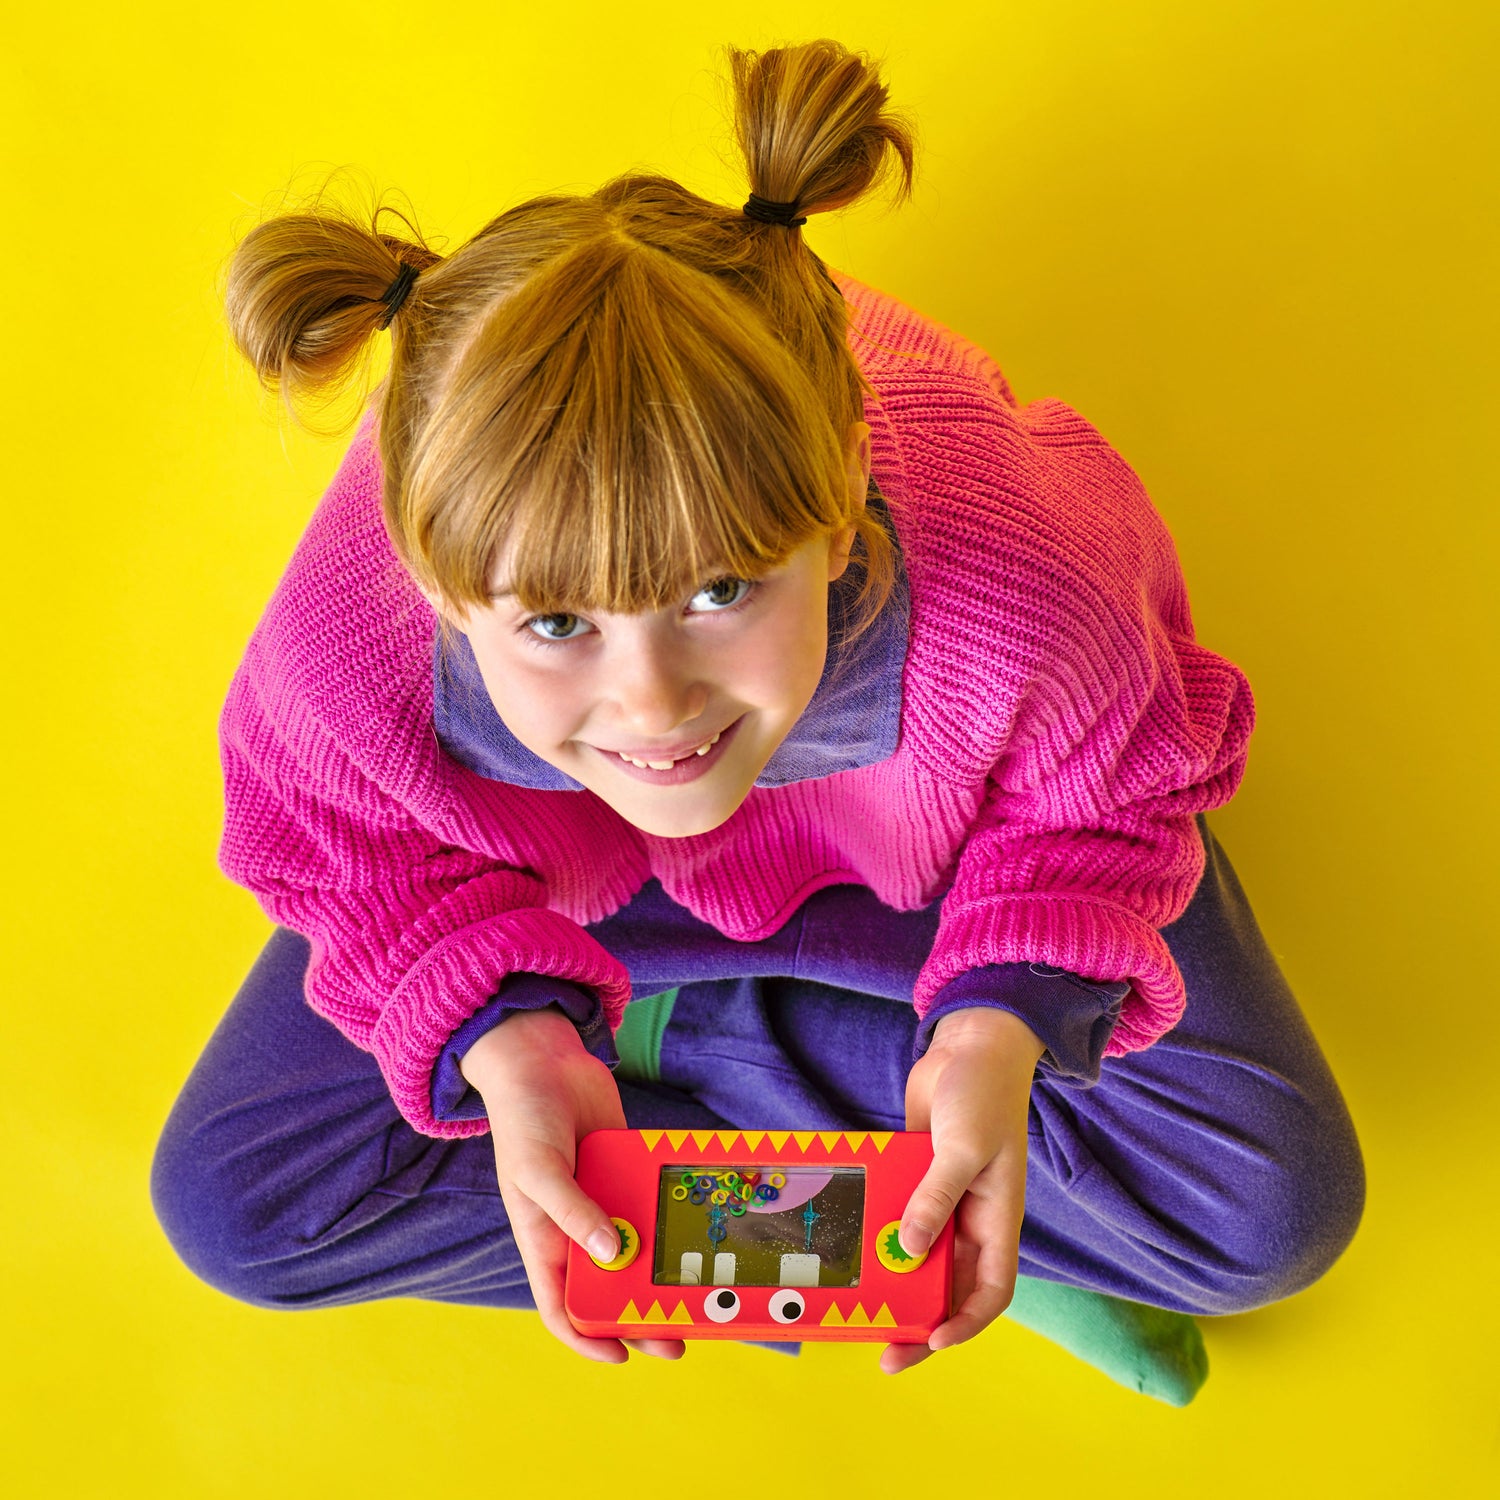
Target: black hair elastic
point(768, 211)
point(395, 294)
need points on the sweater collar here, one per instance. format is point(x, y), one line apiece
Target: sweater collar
point(852, 720)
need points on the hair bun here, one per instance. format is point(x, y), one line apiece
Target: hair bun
point(812, 123)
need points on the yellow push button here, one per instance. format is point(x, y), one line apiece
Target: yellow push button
point(889, 1253)
point(630, 1247)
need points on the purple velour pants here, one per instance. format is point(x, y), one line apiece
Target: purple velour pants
point(1214, 1172)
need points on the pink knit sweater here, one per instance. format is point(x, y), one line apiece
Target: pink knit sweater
point(1059, 729)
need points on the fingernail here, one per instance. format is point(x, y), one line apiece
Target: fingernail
point(603, 1245)
point(914, 1239)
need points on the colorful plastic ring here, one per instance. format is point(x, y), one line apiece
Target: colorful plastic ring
point(707, 1184)
point(778, 1179)
point(697, 1196)
point(719, 1195)
point(765, 1192)
point(679, 1192)
point(737, 1209)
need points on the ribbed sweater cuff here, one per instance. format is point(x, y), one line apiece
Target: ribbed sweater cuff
point(459, 975)
point(1073, 1017)
point(1089, 937)
point(453, 1097)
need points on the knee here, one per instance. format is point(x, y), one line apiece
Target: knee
point(208, 1218)
point(1286, 1222)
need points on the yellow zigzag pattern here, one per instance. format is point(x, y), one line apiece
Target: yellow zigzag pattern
point(734, 1140)
point(858, 1317)
point(654, 1314)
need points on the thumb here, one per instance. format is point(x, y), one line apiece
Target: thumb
point(545, 1179)
point(932, 1203)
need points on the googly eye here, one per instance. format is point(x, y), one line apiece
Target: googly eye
point(722, 1305)
point(787, 1305)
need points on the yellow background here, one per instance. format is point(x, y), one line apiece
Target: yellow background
point(1252, 241)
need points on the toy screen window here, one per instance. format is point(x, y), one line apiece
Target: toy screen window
point(759, 1226)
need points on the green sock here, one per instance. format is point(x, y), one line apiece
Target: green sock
point(638, 1041)
point(1146, 1349)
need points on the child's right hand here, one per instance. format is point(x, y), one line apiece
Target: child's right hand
point(543, 1092)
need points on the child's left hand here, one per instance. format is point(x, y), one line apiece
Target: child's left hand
point(970, 1089)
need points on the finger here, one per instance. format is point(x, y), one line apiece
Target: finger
point(544, 1253)
point(659, 1348)
point(545, 1176)
point(985, 1256)
point(895, 1358)
point(965, 1265)
point(936, 1196)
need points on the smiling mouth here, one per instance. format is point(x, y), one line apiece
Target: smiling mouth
point(666, 765)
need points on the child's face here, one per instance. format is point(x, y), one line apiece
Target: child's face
point(730, 660)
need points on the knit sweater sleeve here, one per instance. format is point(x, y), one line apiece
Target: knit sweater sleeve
point(410, 936)
point(341, 814)
point(1108, 727)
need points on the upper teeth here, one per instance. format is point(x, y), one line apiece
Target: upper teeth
point(666, 765)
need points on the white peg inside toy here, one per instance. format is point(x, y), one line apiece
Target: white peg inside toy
point(800, 1270)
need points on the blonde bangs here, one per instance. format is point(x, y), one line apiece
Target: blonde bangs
point(623, 428)
point(619, 395)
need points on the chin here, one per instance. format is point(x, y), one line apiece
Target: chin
point(677, 828)
point(681, 823)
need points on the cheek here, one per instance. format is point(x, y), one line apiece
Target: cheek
point(535, 702)
point(793, 649)
point(771, 668)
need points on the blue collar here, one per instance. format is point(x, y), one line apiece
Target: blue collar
point(853, 718)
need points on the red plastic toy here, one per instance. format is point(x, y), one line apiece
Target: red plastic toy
point(761, 1234)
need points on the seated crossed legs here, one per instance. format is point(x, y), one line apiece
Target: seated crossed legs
point(1213, 1173)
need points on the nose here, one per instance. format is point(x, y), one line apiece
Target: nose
point(656, 685)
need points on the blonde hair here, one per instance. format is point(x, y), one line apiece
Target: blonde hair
point(632, 391)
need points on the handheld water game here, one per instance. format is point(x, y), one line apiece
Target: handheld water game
point(762, 1234)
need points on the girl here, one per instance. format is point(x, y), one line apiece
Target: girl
point(695, 627)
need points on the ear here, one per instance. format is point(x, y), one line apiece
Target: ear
point(858, 448)
point(842, 542)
